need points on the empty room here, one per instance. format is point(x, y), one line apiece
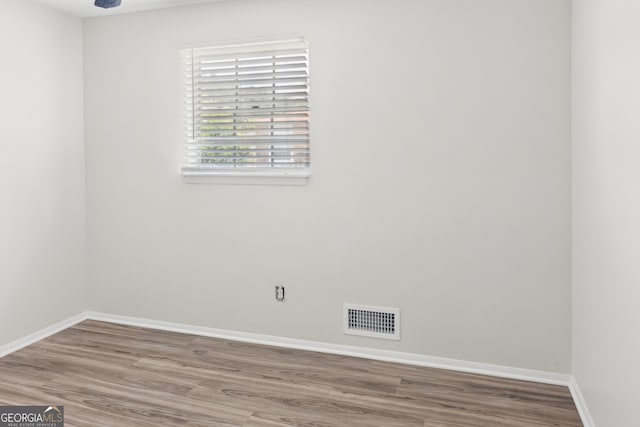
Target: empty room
point(352, 213)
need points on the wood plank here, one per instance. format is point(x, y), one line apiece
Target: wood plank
point(113, 375)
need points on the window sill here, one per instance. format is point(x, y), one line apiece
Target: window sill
point(289, 177)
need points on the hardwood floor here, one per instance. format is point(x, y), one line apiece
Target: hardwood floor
point(112, 375)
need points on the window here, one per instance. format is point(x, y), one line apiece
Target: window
point(247, 110)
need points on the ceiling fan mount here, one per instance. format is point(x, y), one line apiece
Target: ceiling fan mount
point(106, 4)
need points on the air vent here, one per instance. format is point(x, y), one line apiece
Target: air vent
point(377, 322)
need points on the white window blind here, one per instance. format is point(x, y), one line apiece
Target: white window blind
point(247, 109)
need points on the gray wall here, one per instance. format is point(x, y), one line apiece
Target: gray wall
point(606, 205)
point(42, 226)
point(441, 178)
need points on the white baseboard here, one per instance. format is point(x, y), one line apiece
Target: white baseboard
point(345, 350)
point(41, 334)
point(581, 404)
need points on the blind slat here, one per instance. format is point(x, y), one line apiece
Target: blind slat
point(246, 83)
point(262, 65)
point(205, 96)
point(258, 151)
point(285, 110)
point(253, 140)
point(213, 55)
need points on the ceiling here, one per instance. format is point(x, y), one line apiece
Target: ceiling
point(86, 9)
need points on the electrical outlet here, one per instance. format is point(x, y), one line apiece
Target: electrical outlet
point(280, 293)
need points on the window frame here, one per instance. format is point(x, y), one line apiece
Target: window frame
point(269, 146)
